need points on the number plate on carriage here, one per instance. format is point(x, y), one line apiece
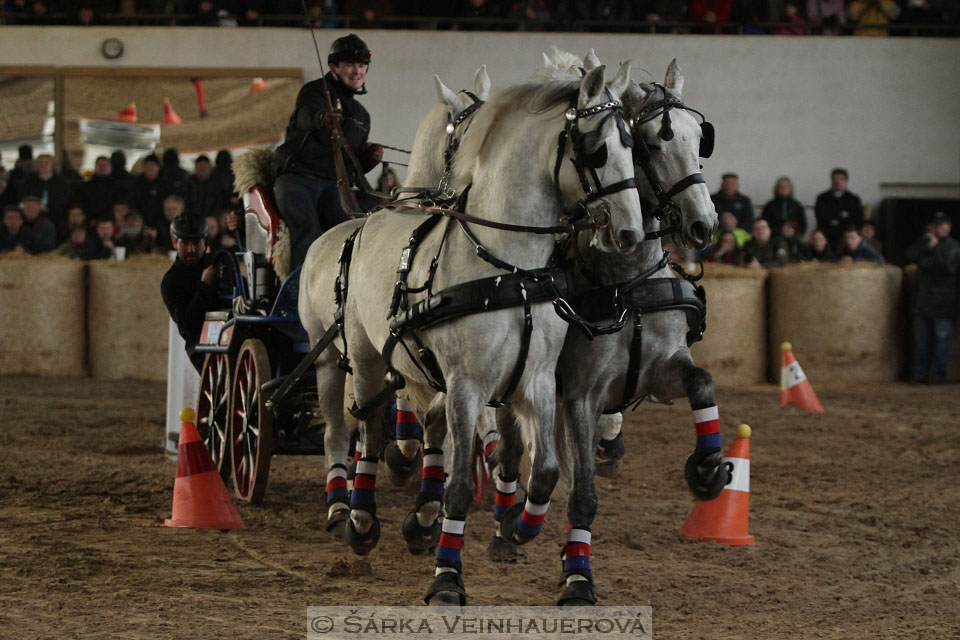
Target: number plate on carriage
point(210, 335)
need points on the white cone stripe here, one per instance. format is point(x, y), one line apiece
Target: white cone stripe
point(367, 468)
point(704, 415)
point(536, 509)
point(433, 460)
point(740, 478)
point(336, 473)
point(506, 487)
point(791, 375)
point(579, 535)
point(453, 526)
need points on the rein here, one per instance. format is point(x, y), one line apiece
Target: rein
point(429, 207)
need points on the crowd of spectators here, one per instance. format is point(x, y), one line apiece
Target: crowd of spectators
point(778, 17)
point(776, 236)
point(113, 213)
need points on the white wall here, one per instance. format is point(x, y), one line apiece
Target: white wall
point(884, 108)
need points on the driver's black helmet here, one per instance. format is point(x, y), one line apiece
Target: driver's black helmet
point(188, 227)
point(349, 49)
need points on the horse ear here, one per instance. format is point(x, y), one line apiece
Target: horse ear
point(591, 86)
point(446, 95)
point(674, 79)
point(618, 85)
point(548, 63)
point(591, 61)
point(481, 83)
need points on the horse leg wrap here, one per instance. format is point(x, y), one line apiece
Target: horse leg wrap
point(500, 548)
point(363, 507)
point(506, 496)
point(523, 525)
point(705, 474)
point(451, 541)
point(431, 481)
point(707, 422)
point(578, 579)
point(490, 443)
point(338, 496)
point(353, 467)
point(408, 432)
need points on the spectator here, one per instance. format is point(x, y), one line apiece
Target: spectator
point(871, 15)
point(869, 232)
point(535, 14)
point(818, 250)
point(726, 251)
point(41, 228)
point(14, 236)
point(86, 15)
point(856, 249)
point(388, 179)
point(937, 257)
point(118, 169)
point(728, 222)
point(765, 250)
point(106, 247)
point(205, 14)
point(148, 192)
point(837, 208)
point(76, 217)
point(478, 9)
point(369, 11)
point(223, 171)
point(171, 170)
point(788, 232)
point(81, 244)
point(827, 16)
point(213, 233)
point(132, 237)
point(53, 191)
point(172, 207)
point(202, 195)
point(784, 207)
point(791, 14)
point(7, 195)
point(22, 167)
point(98, 194)
point(120, 209)
point(730, 199)
point(228, 229)
point(749, 14)
point(710, 13)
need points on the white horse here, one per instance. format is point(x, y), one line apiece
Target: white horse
point(508, 156)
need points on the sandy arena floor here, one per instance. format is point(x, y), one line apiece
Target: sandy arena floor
point(855, 514)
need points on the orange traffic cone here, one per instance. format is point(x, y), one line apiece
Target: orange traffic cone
point(200, 499)
point(795, 389)
point(258, 84)
point(129, 114)
point(725, 519)
point(169, 115)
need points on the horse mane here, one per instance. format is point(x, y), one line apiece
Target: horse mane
point(536, 97)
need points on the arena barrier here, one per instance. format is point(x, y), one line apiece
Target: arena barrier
point(42, 324)
point(127, 318)
point(733, 349)
point(845, 322)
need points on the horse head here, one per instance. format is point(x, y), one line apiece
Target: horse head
point(669, 141)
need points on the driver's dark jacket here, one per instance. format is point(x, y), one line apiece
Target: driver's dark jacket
point(188, 298)
point(307, 148)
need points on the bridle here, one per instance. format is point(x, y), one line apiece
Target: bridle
point(665, 207)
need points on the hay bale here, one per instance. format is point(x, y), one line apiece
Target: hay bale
point(733, 349)
point(42, 316)
point(845, 322)
point(127, 318)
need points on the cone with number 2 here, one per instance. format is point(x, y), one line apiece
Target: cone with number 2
point(795, 389)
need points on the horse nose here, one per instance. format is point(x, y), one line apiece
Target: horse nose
point(699, 234)
point(627, 240)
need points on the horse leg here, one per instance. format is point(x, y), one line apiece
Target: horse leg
point(464, 404)
point(524, 524)
point(580, 422)
point(336, 439)
point(611, 449)
point(421, 527)
point(506, 475)
point(401, 452)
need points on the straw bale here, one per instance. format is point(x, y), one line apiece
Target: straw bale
point(845, 322)
point(733, 349)
point(42, 316)
point(129, 324)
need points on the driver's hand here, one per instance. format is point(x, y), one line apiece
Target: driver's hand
point(329, 119)
point(209, 276)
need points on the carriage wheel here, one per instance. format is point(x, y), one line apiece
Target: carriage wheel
point(251, 423)
point(213, 401)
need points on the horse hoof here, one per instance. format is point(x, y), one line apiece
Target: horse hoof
point(399, 469)
point(578, 594)
point(362, 543)
point(607, 463)
point(447, 590)
point(607, 468)
point(420, 539)
point(336, 521)
point(502, 550)
point(508, 526)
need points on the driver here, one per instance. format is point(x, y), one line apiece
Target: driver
point(189, 286)
point(306, 190)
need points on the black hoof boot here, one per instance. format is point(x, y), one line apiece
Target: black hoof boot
point(337, 520)
point(447, 590)
point(607, 461)
point(362, 544)
point(578, 594)
point(508, 526)
point(502, 550)
point(399, 469)
point(420, 539)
